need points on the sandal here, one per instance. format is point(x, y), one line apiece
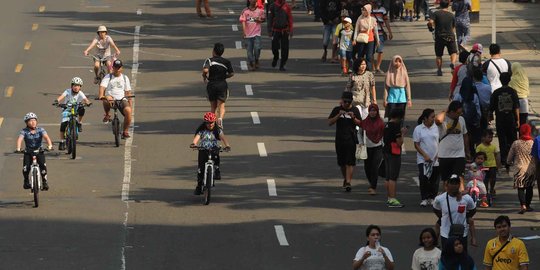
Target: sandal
point(125, 135)
point(97, 80)
point(106, 118)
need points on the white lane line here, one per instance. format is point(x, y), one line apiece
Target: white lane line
point(243, 65)
point(416, 180)
point(272, 191)
point(262, 149)
point(235, 27)
point(280, 233)
point(255, 117)
point(139, 11)
point(230, 11)
point(238, 44)
point(249, 90)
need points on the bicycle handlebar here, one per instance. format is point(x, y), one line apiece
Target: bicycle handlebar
point(221, 149)
point(66, 105)
point(104, 98)
point(39, 150)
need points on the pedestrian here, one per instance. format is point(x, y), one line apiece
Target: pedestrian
point(251, 18)
point(458, 74)
point(345, 46)
point(280, 29)
point(524, 170)
point(336, 35)
point(474, 61)
point(493, 160)
point(484, 94)
point(308, 5)
point(428, 255)
point(207, 10)
point(495, 66)
point(362, 84)
point(393, 141)
point(520, 83)
point(373, 256)
point(373, 126)
point(397, 87)
point(454, 256)
point(216, 71)
point(461, 10)
point(421, 5)
point(366, 36)
point(346, 117)
point(453, 142)
point(455, 212)
point(505, 251)
point(505, 103)
point(426, 143)
point(444, 23)
point(330, 16)
point(472, 113)
point(381, 14)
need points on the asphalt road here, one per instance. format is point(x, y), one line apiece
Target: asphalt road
point(133, 207)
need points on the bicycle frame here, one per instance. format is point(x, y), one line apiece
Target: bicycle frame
point(208, 164)
point(35, 168)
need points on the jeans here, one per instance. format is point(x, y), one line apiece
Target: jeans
point(421, 5)
point(316, 9)
point(328, 33)
point(372, 163)
point(463, 33)
point(507, 135)
point(365, 50)
point(280, 40)
point(253, 47)
point(428, 186)
point(308, 4)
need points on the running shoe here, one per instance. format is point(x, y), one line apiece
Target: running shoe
point(424, 203)
point(394, 203)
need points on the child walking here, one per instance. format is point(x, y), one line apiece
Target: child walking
point(493, 160)
point(345, 45)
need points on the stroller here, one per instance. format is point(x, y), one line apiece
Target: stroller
point(475, 187)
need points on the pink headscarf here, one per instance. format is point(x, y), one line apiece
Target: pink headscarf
point(397, 77)
point(365, 21)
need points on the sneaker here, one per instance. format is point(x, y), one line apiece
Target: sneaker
point(452, 67)
point(430, 201)
point(282, 68)
point(424, 203)
point(45, 185)
point(274, 62)
point(394, 203)
point(484, 204)
point(439, 72)
point(372, 191)
point(348, 187)
point(62, 146)
point(79, 127)
point(217, 174)
point(198, 190)
point(26, 184)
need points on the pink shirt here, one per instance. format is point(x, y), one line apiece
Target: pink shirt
point(248, 16)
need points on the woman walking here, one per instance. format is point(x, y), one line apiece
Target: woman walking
point(366, 36)
point(520, 83)
point(393, 140)
point(397, 87)
point(373, 255)
point(362, 84)
point(426, 143)
point(373, 127)
point(524, 170)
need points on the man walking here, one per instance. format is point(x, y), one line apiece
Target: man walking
point(505, 251)
point(251, 19)
point(330, 16)
point(494, 67)
point(280, 29)
point(444, 23)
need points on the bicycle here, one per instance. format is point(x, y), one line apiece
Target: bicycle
point(71, 134)
point(209, 171)
point(115, 122)
point(104, 66)
point(35, 178)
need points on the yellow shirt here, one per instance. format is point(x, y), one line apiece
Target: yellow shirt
point(511, 257)
point(491, 151)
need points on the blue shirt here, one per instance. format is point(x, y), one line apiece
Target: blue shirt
point(397, 95)
point(209, 139)
point(33, 141)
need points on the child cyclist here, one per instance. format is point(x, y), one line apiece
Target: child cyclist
point(33, 137)
point(207, 136)
point(73, 95)
point(103, 42)
point(476, 171)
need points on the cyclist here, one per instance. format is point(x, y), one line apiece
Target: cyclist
point(33, 137)
point(207, 136)
point(114, 88)
point(73, 95)
point(103, 42)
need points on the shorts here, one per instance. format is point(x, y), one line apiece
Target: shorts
point(217, 91)
point(449, 43)
point(121, 105)
point(64, 124)
point(346, 153)
point(449, 166)
point(381, 44)
point(392, 166)
point(346, 54)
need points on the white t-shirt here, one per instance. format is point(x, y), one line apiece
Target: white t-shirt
point(426, 259)
point(459, 211)
point(116, 86)
point(452, 146)
point(69, 97)
point(428, 137)
point(375, 261)
point(493, 74)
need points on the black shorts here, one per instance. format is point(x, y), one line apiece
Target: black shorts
point(346, 153)
point(63, 125)
point(392, 166)
point(217, 91)
point(449, 166)
point(448, 42)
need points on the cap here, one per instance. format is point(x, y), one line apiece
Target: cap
point(347, 96)
point(348, 20)
point(117, 63)
point(454, 179)
point(478, 47)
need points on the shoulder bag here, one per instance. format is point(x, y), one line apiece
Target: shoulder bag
point(362, 37)
point(361, 148)
point(457, 230)
point(454, 125)
point(498, 251)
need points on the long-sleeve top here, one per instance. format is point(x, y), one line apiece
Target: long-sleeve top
point(270, 18)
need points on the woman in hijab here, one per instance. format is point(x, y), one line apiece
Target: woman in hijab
point(366, 25)
point(373, 125)
point(520, 157)
point(397, 87)
point(362, 84)
point(520, 83)
point(455, 257)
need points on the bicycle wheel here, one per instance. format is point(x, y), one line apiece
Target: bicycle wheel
point(73, 140)
point(208, 185)
point(35, 187)
point(116, 131)
point(67, 135)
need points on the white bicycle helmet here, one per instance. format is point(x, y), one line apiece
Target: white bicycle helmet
point(29, 116)
point(77, 81)
point(102, 28)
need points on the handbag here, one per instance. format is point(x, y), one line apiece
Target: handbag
point(457, 230)
point(395, 149)
point(361, 148)
point(362, 37)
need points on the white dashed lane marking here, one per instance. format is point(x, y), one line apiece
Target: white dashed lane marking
point(238, 44)
point(280, 233)
point(235, 27)
point(272, 191)
point(262, 150)
point(255, 117)
point(249, 90)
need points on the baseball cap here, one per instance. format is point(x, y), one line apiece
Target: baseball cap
point(347, 96)
point(117, 63)
point(478, 47)
point(454, 179)
point(348, 20)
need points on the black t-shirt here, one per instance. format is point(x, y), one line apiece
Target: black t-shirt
point(345, 127)
point(444, 23)
point(218, 68)
point(392, 131)
point(330, 11)
point(504, 101)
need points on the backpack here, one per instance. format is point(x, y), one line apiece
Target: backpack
point(280, 18)
point(470, 114)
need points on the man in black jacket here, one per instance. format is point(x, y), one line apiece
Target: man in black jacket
point(330, 16)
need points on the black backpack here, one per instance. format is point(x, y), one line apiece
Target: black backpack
point(280, 19)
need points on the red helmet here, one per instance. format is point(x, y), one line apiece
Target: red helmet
point(210, 117)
